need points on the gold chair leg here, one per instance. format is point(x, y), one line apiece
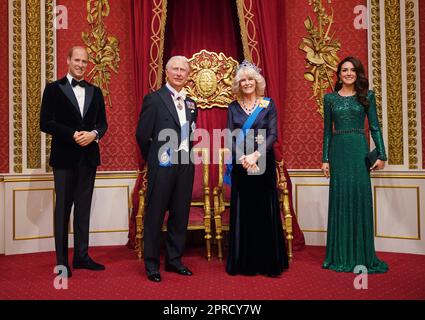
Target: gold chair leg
point(208, 249)
point(217, 221)
point(288, 222)
point(139, 225)
point(207, 211)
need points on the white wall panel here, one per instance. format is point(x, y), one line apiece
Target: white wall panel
point(399, 213)
point(32, 213)
point(29, 207)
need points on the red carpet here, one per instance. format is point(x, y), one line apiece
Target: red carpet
point(30, 276)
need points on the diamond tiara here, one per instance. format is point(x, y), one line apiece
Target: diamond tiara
point(247, 64)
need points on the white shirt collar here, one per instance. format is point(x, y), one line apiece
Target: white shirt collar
point(69, 77)
point(176, 94)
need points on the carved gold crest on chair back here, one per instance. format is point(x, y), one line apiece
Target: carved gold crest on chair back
point(210, 79)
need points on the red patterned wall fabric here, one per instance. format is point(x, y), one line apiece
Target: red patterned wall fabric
point(118, 147)
point(302, 126)
point(422, 63)
point(4, 92)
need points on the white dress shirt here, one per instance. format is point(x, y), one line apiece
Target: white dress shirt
point(184, 145)
point(80, 94)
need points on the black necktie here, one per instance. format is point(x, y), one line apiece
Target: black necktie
point(81, 83)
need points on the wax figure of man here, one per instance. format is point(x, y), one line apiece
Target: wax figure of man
point(167, 112)
point(73, 113)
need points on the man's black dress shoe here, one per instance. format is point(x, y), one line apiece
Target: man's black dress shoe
point(89, 264)
point(184, 271)
point(154, 277)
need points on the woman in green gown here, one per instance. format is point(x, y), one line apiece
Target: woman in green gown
point(350, 235)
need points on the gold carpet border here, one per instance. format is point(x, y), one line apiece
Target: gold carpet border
point(411, 83)
point(376, 56)
point(156, 51)
point(50, 62)
point(17, 87)
point(248, 31)
point(394, 82)
point(33, 80)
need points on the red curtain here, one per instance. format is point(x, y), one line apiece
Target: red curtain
point(140, 29)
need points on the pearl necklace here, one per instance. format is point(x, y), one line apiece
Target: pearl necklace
point(249, 110)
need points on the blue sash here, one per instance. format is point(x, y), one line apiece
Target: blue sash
point(227, 179)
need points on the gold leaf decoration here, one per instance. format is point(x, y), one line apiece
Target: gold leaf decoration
point(103, 49)
point(321, 52)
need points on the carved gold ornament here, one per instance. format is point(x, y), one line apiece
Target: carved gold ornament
point(321, 52)
point(210, 79)
point(103, 49)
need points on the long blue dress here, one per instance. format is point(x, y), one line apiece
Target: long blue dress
point(256, 240)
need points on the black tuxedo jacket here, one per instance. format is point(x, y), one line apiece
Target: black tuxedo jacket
point(60, 117)
point(158, 113)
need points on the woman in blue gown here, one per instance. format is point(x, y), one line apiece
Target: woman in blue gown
point(256, 240)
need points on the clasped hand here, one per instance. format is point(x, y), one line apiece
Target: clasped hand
point(84, 138)
point(249, 162)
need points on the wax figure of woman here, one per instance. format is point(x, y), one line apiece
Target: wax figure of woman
point(350, 236)
point(256, 240)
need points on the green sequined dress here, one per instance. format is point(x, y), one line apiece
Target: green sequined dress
point(350, 235)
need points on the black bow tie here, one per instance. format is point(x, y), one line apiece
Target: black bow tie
point(81, 83)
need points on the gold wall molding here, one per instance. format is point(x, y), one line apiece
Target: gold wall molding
point(375, 175)
point(248, 31)
point(156, 50)
point(376, 56)
point(17, 86)
point(49, 177)
point(14, 211)
point(297, 192)
point(33, 82)
point(50, 62)
point(394, 82)
point(411, 83)
point(15, 238)
point(321, 52)
point(393, 70)
point(103, 49)
point(418, 213)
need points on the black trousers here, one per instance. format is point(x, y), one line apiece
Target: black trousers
point(172, 191)
point(73, 187)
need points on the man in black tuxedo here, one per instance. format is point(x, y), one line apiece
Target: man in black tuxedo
point(73, 112)
point(167, 112)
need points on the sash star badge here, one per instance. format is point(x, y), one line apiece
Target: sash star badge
point(259, 139)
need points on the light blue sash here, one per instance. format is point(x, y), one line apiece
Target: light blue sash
point(227, 179)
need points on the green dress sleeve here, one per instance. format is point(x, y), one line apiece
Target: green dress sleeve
point(374, 128)
point(327, 132)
